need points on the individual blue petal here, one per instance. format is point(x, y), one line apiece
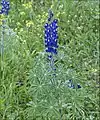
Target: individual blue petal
point(49, 18)
point(51, 50)
point(8, 3)
point(49, 57)
point(2, 2)
point(78, 86)
point(47, 31)
point(47, 41)
point(47, 36)
point(46, 25)
point(53, 26)
point(51, 44)
point(54, 31)
point(73, 86)
point(55, 21)
point(54, 36)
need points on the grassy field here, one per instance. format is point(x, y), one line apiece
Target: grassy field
point(26, 92)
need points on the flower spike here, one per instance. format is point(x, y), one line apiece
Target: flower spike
point(5, 7)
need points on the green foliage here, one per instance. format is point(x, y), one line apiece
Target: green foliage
point(26, 92)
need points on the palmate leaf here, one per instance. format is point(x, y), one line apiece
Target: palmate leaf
point(50, 108)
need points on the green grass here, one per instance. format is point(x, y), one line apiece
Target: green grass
point(25, 89)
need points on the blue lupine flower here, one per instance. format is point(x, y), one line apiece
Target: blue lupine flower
point(51, 37)
point(78, 86)
point(71, 85)
point(51, 44)
point(5, 7)
point(50, 15)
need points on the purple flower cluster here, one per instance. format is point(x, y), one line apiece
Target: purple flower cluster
point(51, 36)
point(5, 7)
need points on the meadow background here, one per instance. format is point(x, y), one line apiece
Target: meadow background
point(24, 90)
